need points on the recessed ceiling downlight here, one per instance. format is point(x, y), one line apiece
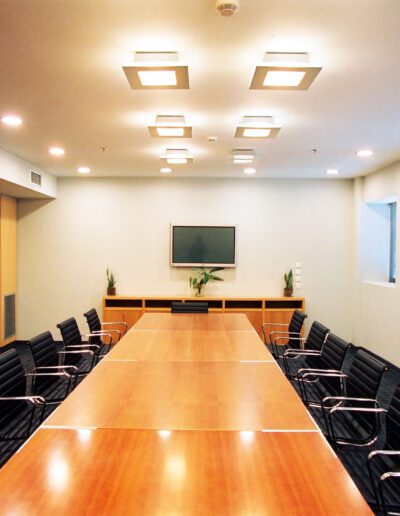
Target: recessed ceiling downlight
point(156, 70)
point(12, 120)
point(364, 153)
point(83, 170)
point(56, 151)
point(249, 171)
point(332, 171)
point(165, 170)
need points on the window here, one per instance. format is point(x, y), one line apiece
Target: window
point(392, 242)
point(378, 236)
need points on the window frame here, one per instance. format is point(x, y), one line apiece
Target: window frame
point(392, 241)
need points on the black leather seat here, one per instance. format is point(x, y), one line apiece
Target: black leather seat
point(291, 333)
point(189, 307)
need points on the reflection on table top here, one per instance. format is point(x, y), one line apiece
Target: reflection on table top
point(206, 345)
point(184, 395)
point(158, 473)
point(210, 321)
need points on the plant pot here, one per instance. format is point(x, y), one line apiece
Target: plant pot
point(111, 291)
point(288, 292)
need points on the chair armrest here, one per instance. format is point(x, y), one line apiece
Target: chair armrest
point(346, 398)
point(272, 324)
point(301, 339)
point(96, 334)
point(63, 367)
point(102, 334)
point(358, 409)
point(106, 332)
point(285, 333)
point(328, 373)
point(377, 453)
point(83, 346)
point(123, 323)
point(32, 399)
point(311, 370)
point(302, 352)
point(336, 405)
point(81, 352)
point(61, 373)
point(390, 475)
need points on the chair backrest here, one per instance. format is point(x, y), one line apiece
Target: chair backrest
point(316, 336)
point(44, 350)
point(365, 375)
point(190, 307)
point(333, 353)
point(393, 422)
point(93, 320)
point(70, 332)
point(297, 321)
point(12, 375)
point(12, 383)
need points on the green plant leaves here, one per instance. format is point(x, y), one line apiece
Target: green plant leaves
point(204, 276)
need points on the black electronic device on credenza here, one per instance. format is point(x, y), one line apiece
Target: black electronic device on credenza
point(203, 246)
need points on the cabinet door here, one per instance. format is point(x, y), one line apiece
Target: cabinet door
point(254, 316)
point(277, 317)
point(8, 268)
point(128, 316)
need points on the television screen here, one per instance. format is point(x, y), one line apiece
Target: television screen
point(198, 246)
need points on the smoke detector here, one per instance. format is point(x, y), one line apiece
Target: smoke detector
point(227, 7)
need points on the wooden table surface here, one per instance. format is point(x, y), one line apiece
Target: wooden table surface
point(150, 473)
point(179, 421)
point(192, 345)
point(183, 396)
point(199, 322)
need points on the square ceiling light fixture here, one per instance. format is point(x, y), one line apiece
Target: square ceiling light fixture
point(284, 71)
point(257, 127)
point(176, 157)
point(169, 126)
point(157, 71)
point(242, 156)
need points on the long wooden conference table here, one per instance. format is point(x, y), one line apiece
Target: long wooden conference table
point(187, 415)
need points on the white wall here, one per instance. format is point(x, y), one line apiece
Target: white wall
point(66, 245)
point(377, 322)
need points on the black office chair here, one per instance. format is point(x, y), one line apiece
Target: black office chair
point(313, 342)
point(346, 399)
point(96, 327)
point(20, 414)
point(381, 487)
point(292, 334)
point(331, 356)
point(384, 464)
point(47, 357)
point(73, 340)
point(189, 307)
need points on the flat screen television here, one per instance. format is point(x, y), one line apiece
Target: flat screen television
point(203, 246)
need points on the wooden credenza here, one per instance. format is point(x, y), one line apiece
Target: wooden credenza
point(259, 310)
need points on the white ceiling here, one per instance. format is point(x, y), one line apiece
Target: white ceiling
point(60, 63)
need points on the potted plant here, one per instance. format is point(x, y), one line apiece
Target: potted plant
point(202, 277)
point(111, 290)
point(288, 288)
